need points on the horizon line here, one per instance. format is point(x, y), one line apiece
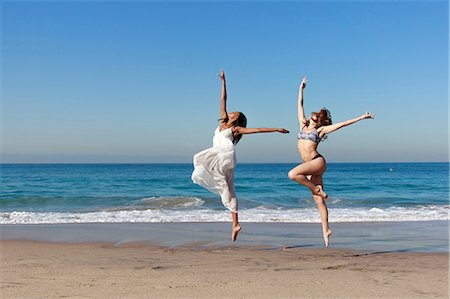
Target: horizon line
point(149, 163)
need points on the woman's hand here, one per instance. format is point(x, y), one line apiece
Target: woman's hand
point(221, 75)
point(304, 81)
point(368, 115)
point(284, 131)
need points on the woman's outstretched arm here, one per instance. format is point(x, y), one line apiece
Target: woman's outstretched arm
point(242, 130)
point(331, 128)
point(301, 112)
point(223, 99)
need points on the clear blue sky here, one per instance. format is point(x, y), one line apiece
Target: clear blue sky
point(136, 81)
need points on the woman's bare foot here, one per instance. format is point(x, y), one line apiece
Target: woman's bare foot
point(319, 191)
point(326, 236)
point(235, 231)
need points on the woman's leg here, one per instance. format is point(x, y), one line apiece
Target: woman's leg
point(236, 226)
point(313, 167)
point(323, 210)
point(232, 204)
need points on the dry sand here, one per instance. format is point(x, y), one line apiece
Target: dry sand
point(89, 270)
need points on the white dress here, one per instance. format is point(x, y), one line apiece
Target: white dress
point(214, 168)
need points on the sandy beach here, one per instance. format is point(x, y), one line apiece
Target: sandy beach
point(192, 260)
point(90, 270)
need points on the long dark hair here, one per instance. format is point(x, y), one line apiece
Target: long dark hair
point(241, 121)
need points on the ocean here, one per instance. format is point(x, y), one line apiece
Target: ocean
point(111, 193)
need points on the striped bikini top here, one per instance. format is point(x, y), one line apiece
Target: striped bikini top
point(311, 136)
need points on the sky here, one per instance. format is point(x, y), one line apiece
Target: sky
point(135, 82)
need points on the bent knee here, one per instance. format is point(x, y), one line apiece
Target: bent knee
point(295, 174)
point(292, 175)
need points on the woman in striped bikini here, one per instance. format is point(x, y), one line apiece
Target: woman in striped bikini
point(309, 173)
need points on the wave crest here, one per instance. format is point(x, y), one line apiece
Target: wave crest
point(174, 201)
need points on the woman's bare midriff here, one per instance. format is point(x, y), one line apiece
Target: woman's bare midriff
point(307, 149)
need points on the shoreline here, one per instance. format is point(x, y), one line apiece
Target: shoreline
point(423, 236)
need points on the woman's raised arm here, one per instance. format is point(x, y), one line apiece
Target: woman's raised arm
point(223, 99)
point(301, 112)
point(331, 128)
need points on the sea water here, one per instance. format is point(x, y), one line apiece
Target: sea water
point(92, 193)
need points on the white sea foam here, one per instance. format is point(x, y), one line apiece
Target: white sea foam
point(168, 201)
point(260, 214)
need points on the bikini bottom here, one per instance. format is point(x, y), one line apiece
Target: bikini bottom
point(317, 156)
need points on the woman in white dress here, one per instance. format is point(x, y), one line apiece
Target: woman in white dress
point(214, 167)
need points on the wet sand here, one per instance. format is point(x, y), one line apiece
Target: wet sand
point(425, 236)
